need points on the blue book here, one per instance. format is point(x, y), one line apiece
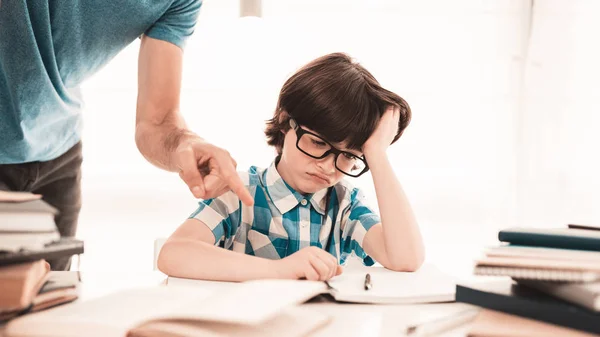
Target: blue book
point(568, 238)
point(511, 298)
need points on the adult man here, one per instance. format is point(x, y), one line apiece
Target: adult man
point(48, 48)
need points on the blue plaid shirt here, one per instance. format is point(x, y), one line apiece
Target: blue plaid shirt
point(283, 221)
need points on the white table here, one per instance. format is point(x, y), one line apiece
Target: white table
point(348, 320)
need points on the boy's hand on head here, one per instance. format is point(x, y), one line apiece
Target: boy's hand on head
point(311, 263)
point(209, 171)
point(385, 132)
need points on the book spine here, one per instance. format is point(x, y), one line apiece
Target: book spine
point(551, 241)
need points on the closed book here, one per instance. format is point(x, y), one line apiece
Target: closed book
point(569, 238)
point(511, 298)
point(27, 216)
point(16, 241)
point(584, 294)
point(20, 284)
point(60, 287)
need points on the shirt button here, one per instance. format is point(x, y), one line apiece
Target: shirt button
point(304, 202)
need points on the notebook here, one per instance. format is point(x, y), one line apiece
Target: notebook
point(569, 238)
point(427, 285)
point(535, 268)
point(522, 273)
point(142, 311)
point(543, 253)
point(584, 294)
point(511, 298)
point(489, 323)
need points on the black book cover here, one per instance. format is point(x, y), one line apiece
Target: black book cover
point(511, 298)
point(61, 248)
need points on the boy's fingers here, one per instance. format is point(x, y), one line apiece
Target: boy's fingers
point(310, 273)
point(321, 267)
point(330, 261)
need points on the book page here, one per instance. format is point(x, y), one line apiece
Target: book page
point(250, 302)
point(426, 285)
point(111, 315)
point(293, 322)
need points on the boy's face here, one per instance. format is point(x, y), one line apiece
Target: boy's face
point(304, 173)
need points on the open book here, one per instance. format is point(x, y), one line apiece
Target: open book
point(255, 308)
point(427, 285)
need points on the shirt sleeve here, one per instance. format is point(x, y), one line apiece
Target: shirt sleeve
point(177, 23)
point(221, 215)
point(355, 224)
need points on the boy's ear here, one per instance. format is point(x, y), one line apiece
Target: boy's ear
point(284, 118)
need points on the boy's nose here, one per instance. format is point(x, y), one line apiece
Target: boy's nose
point(327, 164)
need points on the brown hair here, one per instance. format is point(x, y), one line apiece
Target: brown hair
point(336, 98)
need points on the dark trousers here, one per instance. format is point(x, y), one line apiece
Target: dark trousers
point(59, 183)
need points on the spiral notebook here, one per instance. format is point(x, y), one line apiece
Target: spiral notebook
point(539, 269)
point(557, 275)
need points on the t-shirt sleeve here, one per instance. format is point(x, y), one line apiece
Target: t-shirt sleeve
point(356, 222)
point(221, 215)
point(177, 23)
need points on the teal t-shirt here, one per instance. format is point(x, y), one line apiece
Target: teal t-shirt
point(49, 47)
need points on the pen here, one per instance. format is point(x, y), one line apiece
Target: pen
point(368, 284)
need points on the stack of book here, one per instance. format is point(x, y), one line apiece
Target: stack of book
point(29, 237)
point(26, 222)
point(29, 287)
point(552, 281)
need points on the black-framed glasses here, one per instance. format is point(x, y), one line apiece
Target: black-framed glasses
point(316, 147)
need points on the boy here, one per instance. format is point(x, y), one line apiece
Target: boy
point(333, 119)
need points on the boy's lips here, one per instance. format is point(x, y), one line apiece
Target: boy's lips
point(325, 179)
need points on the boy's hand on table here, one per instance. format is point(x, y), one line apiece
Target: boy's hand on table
point(311, 263)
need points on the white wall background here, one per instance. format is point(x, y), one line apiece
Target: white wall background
point(503, 128)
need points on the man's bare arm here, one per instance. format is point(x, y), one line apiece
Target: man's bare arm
point(162, 135)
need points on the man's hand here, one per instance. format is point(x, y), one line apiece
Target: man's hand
point(209, 171)
point(384, 134)
point(311, 263)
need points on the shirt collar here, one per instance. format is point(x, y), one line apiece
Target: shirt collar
point(285, 198)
